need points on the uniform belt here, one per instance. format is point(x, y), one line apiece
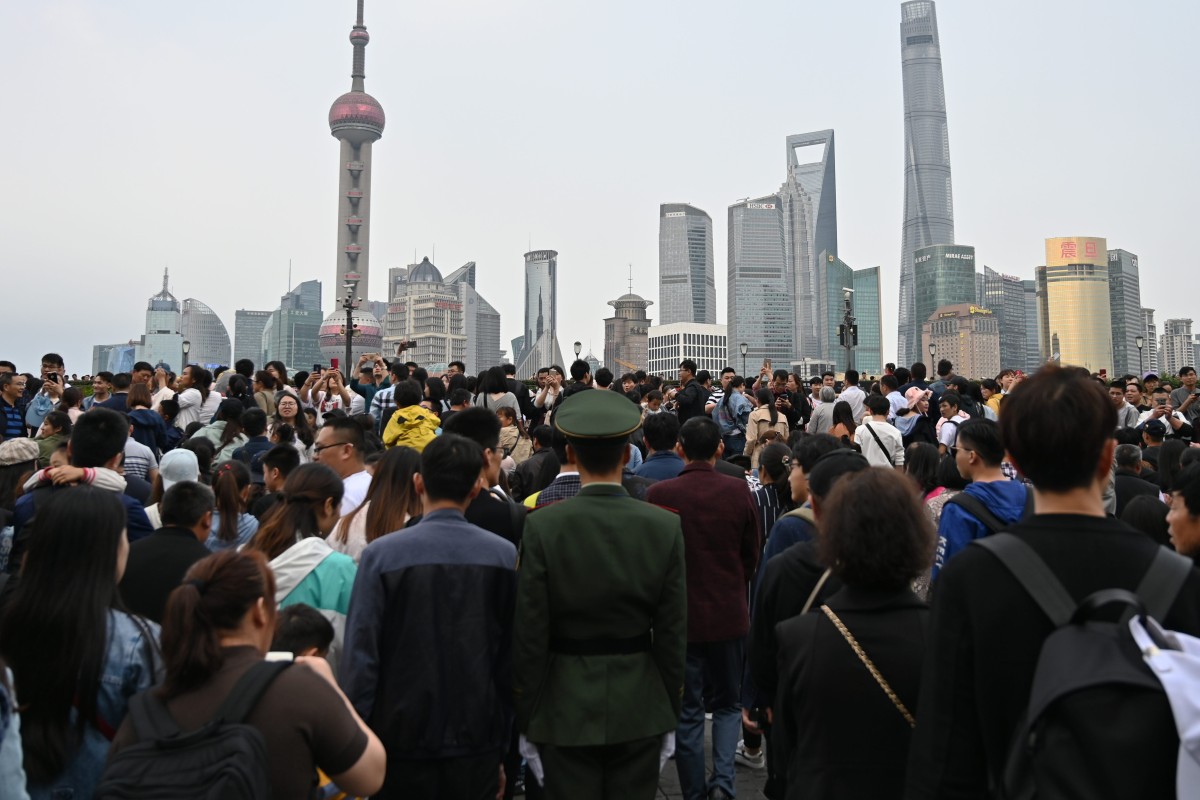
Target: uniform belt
point(600, 647)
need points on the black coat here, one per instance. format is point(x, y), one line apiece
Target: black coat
point(839, 733)
point(1129, 485)
point(534, 473)
point(156, 566)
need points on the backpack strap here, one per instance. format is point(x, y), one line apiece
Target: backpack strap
point(975, 507)
point(248, 690)
point(1162, 582)
point(1032, 573)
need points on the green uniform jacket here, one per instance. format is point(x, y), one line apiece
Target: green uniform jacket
point(599, 566)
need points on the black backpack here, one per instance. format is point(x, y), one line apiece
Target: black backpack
point(225, 758)
point(1098, 724)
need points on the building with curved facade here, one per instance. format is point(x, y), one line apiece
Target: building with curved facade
point(686, 287)
point(1075, 309)
point(208, 340)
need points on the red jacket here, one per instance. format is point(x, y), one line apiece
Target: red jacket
point(721, 547)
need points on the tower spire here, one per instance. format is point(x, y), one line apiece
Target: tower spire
point(359, 39)
point(166, 275)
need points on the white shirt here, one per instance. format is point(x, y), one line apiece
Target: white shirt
point(189, 408)
point(357, 404)
point(356, 487)
point(210, 406)
point(893, 443)
point(897, 402)
point(855, 397)
point(947, 430)
point(1147, 415)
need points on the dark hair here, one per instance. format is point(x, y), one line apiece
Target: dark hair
point(660, 432)
point(282, 457)
point(951, 398)
point(238, 387)
point(879, 405)
point(983, 437)
point(843, 415)
point(266, 379)
point(280, 368)
point(192, 428)
point(185, 503)
point(202, 380)
point(1185, 371)
point(689, 365)
point(139, 395)
point(699, 437)
point(851, 378)
point(98, 437)
point(890, 383)
point(944, 367)
point(53, 359)
point(230, 412)
point(407, 393)
point(947, 475)
point(283, 433)
point(459, 397)
point(1169, 463)
point(1187, 486)
point(350, 432)
point(774, 459)
point(604, 377)
point(767, 400)
point(580, 368)
point(60, 420)
point(399, 369)
point(917, 371)
point(305, 491)
point(392, 498)
point(205, 452)
point(903, 376)
point(882, 544)
point(435, 391)
point(809, 449)
point(600, 455)
point(169, 408)
point(543, 435)
point(71, 398)
point(477, 424)
point(216, 593)
point(1148, 514)
point(418, 374)
point(507, 412)
point(121, 382)
point(143, 366)
point(300, 424)
point(231, 478)
point(921, 464)
point(450, 465)
point(299, 627)
point(1057, 451)
point(55, 640)
point(253, 422)
point(831, 467)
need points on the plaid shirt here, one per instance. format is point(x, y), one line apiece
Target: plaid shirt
point(382, 406)
point(563, 487)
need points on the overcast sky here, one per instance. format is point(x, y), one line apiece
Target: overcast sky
point(141, 134)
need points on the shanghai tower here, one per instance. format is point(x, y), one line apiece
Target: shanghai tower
point(928, 200)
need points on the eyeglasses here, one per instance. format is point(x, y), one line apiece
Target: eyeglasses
point(321, 447)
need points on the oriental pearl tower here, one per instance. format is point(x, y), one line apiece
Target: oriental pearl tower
point(356, 120)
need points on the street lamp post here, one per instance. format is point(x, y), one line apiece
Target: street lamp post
point(744, 348)
point(932, 356)
point(578, 348)
point(350, 303)
point(1139, 341)
point(187, 348)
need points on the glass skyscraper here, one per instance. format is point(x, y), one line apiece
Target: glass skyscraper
point(1125, 303)
point(248, 329)
point(928, 199)
point(809, 197)
point(686, 287)
point(210, 345)
point(760, 300)
point(1004, 295)
point(943, 275)
point(836, 276)
point(1075, 312)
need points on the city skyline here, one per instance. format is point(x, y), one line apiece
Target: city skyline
point(212, 222)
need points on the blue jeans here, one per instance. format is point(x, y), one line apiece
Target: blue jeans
point(735, 444)
point(721, 662)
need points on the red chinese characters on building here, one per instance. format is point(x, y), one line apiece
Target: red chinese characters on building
point(1089, 249)
point(1068, 250)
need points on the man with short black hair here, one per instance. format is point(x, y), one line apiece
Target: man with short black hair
point(383, 403)
point(157, 563)
point(951, 419)
point(12, 406)
point(445, 718)
point(254, 426)
point(1183, 520)
point(339, 446)
point(720, 532)
point(119, 399)
point(101, 389)
point(490, 509)
point(536, 472)
point(47, 397)
point(718, 394)
point(878, 439)
point(689, 397)
point(945, 371)
point(1127, 415)
point(458, 368)
point(660, 433)
point(581, 378)
point(1186, 399)
point(520, 390)
point(854, 395)
point(1164, 411)
point(986, 631)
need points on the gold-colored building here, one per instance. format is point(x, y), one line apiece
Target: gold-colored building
point(1074, 319)
point(967, 335)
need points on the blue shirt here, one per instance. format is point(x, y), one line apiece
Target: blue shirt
point(247, 526)
point(660, 466)
point(13, 421)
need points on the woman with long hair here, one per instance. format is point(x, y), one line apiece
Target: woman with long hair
point(844, 731)
point(225, 431)
point(491, 391)
point(148, 425)
point(239, 389)
point(289, 412)
point(843, 423)
point(921, 464)
point(764, 425)
point(390, 502)
point(293, 536)
point(435, 396)
point(218, 626)
point(71, 402)
point(232, 526)
point(76, 655)
point(264, 392)
point(732, 414)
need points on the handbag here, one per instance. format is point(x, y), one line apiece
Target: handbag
point(870, 665)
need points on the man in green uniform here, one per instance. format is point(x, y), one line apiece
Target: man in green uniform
point(600, 635)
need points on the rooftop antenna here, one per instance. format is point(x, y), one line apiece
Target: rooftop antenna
point(289, 275)
point(631, 278)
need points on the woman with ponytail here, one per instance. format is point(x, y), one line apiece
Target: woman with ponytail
point(232, 526)
point(218, 624)
point(76, 655)
point(307, 569)
point(225, 431)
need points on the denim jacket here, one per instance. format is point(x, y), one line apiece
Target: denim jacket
point(133, 664)
point(12, 772)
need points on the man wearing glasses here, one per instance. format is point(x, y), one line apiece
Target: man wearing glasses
point(339, 446)
point(990, 503)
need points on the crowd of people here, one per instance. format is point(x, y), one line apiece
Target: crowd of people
point(465, 586)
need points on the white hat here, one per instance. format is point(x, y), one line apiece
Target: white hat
point(178, 465)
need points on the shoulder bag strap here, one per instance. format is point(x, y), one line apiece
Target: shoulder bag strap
point(1163, 580)
point(816, 590)
point(1032, 573)
point(248, 690)
point(879, 442)
point(975, 507)
point(870, 665)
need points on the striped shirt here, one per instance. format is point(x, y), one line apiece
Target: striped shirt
point(13, 421)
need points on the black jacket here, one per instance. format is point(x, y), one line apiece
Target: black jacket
point(156, 566)
point(1129, 485)
point(690, 400)
point(839, 734)
point(533, 474)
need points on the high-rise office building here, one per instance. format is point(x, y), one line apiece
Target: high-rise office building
point(1125, 305)
point(481, 321)
point(1033, 358)
point(967, 335)
point(625, 332)
point(928, 198)
point(1075, 312)
point(539, 345)
point(248, 329)
point(356, 120)
point(1150, 344)
point(837, 276)
point(208, 339)
point(943, 275)
point(705, 344)
point(760, 287)
point(809, 199)
point(291, 333)
point(162, 342)
point(1175, 346)
point(428, 313)
point(1004, 296)
point(686, 287)
point(113, 358)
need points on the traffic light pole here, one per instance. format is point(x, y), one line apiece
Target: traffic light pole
point(848, 330)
